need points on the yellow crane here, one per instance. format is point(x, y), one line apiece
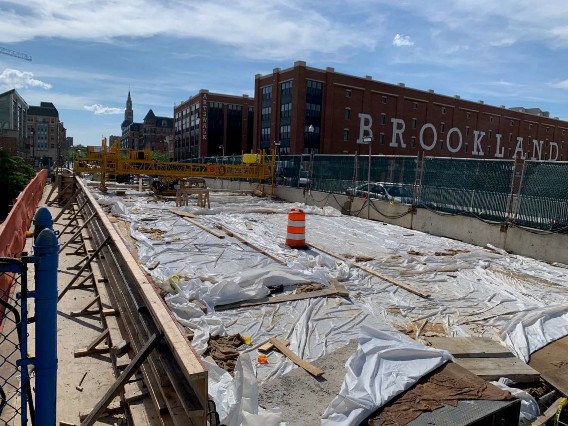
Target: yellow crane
point(108, 161)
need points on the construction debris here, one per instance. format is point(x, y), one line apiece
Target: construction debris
point(223, 350)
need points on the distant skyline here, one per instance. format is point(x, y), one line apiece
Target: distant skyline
point(88, 55)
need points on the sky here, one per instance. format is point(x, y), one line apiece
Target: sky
point(87, 55)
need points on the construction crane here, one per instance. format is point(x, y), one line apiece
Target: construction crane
point(15, 54)
point(108, 161)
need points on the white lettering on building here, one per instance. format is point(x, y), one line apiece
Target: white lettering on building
point(537, 147)
point(519, 149)
point(397, 131)
point(434, 138)
point(449, 139)
point(365, 123)
point(499, 151)
point(454, 136)
point(477, 136)
point(204, 106)
point(555, 145)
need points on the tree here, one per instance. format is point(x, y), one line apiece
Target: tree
point(15, 174)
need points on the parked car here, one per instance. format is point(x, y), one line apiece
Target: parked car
point(383, 191)
point(304, 179)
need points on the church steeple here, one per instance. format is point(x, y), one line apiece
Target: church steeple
point(128, 113)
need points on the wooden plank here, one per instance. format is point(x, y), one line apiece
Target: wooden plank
point(371, 271)
point(251, 245)
point(334, 291)
point(309, 367)
point(548, 414)
point(471, 347)
point(183, 214)
point(495, 368)
point(552, 363)
point(392, 281)
point(268, 346)
point(113, 408)
point(205, 228)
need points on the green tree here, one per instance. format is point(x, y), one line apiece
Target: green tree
point(15, 174)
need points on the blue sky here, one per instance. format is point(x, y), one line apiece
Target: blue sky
point(88, 54)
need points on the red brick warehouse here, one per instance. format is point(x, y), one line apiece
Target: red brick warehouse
point(321, 111)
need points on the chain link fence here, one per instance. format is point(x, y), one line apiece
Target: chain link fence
point(15, 388)
point(530, 193)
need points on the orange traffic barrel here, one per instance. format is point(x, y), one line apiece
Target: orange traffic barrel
point(296, 231)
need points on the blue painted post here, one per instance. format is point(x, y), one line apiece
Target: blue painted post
point(46, 249)
point(42, 220)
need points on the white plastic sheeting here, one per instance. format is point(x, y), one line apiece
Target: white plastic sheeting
point(474, 291)
point(529, 407)
point(384, 365)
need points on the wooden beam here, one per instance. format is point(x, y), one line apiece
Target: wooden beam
point(550, 361)
point(310, 368)
point(548, 414)
point(251, 245)
point(373, 272)
point(205, 228)
point(92, 348)
point(336, 290)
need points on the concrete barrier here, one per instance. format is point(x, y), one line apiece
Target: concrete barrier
point(532, 243)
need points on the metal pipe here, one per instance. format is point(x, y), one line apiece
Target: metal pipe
point(46, 249)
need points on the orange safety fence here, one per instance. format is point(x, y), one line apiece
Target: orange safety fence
point(13, 229)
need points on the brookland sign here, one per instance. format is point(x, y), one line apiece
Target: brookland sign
point(454, 140)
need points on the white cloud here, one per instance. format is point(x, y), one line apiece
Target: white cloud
point(560, 85)
point(99, 109)
point(402, 40)
point(260, 29)
point(14, 79)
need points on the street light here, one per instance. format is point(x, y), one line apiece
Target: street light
point(366, 140)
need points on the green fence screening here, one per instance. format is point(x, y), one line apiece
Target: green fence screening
point(480, 188)
point(543, 198)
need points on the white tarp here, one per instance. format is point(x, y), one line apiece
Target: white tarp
point(475, 291)
point(385, 364)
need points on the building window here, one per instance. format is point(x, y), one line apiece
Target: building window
point(510, 137)
point(345, 135)
point(265, 134)
point(382, 138)
point(415, 105)
point(547, 129)
point(530, 126)
point(383, 118)
point(285, 132)
point(563, 132)
point(313, 110)
point(443, 110)
point(512, 123)
point(465, 148)
point(286, 110)
point(265, 113)
point(491, 119)
point(347, 93)
point(468, 114)
point(286, 88)
point(467, 131)
point(413, 142)
point(442, 127)
point(489, 150)
point(266, 92)
point(384, 99)
point(414, 123)
point(347, 113)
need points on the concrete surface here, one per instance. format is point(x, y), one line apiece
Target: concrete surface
point(302, 397)
point(74, 333)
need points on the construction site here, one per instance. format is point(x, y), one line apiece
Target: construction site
point(232, 292)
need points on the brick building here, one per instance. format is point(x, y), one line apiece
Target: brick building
point(309, 110)
point(211, 124)
point(156, 132)
point(48, 134)
point(14, 134)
